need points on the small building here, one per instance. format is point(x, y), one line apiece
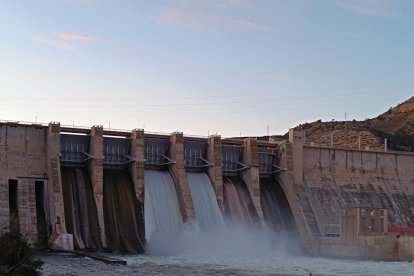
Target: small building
point(361, 221)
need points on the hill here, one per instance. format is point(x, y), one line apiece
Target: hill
point(396, 125)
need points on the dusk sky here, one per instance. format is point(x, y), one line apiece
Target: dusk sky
point(202, 67)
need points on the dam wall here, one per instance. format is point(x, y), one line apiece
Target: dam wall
point(320, 182)
point(308, 185)
point(31, 154)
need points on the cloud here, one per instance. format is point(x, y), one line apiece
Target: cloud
point(64, 40)
point(189, 17)
point(52, 42)
point(77, 37)
point(367, 7)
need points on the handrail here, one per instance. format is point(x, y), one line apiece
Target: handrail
point(278, 169)
point(88, 156)
point(244, 167)
point(207, 164)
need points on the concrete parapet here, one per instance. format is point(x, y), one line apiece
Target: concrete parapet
point(215, 172)
point(251, 175)
point(96, 171)
point(177, 171)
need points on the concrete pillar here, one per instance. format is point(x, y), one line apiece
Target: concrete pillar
point(4, 205)
point(296, 140)
point(215, 172)
point(177, 171)
point(27, 209)
point(137, 167)
point(59, 240)
point(96, 171)
point(251, 176)
point(4, 184)
point(293, 186)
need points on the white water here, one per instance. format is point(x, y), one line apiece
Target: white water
point(162, 212)
point(206, 209)
point(241, 250)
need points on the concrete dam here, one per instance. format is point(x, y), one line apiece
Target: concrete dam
point(98, 189)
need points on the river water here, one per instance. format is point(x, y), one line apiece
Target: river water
point(232, 250)
point(66, 264)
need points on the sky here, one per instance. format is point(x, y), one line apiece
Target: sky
point(203, 67)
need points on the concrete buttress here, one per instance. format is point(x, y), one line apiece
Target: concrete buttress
point(251, 175)
point(215, 171)
point(137, 167)
point(4, 187)
point(96, 171)
point(60, 239)
point(177, 171)
point(292, 184)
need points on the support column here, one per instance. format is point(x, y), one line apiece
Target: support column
point(215, 172)
point(137, 167)
point(297, 142)
point(292, 183)
point(251, 175)
point(4, 205)
point(177, 171)
point(4, 184)
point(60, 239)
point(27, 209)
point(96, 171)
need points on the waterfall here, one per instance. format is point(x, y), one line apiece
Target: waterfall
point(80, 209)
point(122, 213)
point(162, 212)
point(276, 210)
point(238, 204)
point(205, 202)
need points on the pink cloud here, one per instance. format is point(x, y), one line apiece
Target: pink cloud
point(64, 40)
point(192, 18)
point(53, 42)
point(367, 7)
point(77, 37)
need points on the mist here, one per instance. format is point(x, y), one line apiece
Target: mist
point(234, 240)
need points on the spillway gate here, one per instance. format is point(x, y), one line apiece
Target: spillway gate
point(116, 152)
point(74, 150)
point(195, 155)
point(156, 153)
point(232, 159)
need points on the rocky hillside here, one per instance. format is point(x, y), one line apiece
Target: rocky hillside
point(396, 125)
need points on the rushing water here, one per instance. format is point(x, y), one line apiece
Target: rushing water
point(275, 206)
point(80, 208)
point(238, 205)
point(123, 218)
point(162, 212)
point(206, 209)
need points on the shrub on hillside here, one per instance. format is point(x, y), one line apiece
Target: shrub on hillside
point(16, 255)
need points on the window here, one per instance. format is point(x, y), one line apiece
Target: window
point(13, 204)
